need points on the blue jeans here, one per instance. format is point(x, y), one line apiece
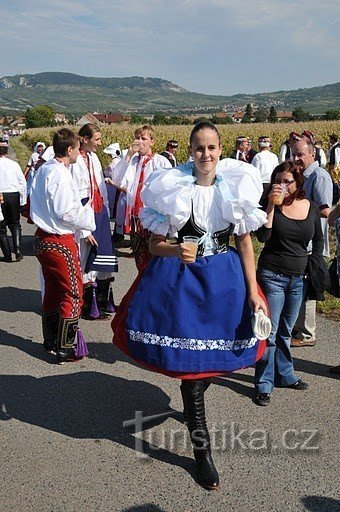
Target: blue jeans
point(284, 296)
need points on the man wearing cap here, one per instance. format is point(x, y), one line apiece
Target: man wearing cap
point(265, 161)
point(14, 194)
point(318, 188)
point(170, 151)
point(241, 148)
point(285, 152)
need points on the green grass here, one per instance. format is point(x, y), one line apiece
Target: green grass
point(21, 151)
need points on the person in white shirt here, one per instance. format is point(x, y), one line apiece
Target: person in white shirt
point(38, 150)
point(57, 211)
point(285, 152)
point(265, 160)
point(97, 256)
point(13, 189)
point(333, 153)
point(170, 151)
point(130, 175)
point(241, 148)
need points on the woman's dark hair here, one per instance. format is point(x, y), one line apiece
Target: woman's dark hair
point(88, 130)
point(295, 170)
point(203, 125)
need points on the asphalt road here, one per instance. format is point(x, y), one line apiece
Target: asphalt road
point(64, 447)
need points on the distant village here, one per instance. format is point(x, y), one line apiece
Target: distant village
point(16, 125)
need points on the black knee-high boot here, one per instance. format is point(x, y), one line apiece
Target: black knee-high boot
point(67, 330)
point(50, 326)
point(206, 384)
point(6, 249)
point(193, 401)
point(16, 237)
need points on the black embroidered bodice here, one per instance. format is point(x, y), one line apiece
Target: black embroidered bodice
point(220, 238)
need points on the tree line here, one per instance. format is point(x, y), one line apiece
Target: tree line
point(44, 115)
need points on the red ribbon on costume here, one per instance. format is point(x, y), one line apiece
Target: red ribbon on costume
point(97, 200)
point(138, 204)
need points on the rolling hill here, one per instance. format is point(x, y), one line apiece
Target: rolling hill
point(68, 92)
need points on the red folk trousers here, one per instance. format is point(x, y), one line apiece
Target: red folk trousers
point(59, 258)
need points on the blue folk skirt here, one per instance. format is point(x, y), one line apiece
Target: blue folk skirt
point(102, 258)
point(189, 320)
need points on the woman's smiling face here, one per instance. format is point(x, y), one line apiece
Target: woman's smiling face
point(206, 150)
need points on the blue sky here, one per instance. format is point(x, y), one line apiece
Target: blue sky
point(212, 46)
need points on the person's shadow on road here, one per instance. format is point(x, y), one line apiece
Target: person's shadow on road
point(20, 299)
point(92, 405)
point(100, 351)
point(321, 504)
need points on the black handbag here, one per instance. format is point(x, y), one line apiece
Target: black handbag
point(334, 288)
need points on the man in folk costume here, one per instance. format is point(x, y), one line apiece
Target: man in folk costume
point(57, 211)
point(285, 151)
point(97, 256)
point(170, 151)
point(130, 175)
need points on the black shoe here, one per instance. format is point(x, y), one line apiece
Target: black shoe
point(67, 356)
point(299, 385)
point(50, 346)
point(207, 475)
point(262, 399)
point(18, 256)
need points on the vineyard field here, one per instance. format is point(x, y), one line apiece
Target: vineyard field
point(123, 133)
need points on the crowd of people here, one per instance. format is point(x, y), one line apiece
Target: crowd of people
point(193, 311)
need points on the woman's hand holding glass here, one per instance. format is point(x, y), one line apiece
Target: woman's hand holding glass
point(185, 252)
point(277, 193)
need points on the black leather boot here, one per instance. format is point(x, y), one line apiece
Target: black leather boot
point(6, 249)
point(103, 288)
point(90, 309)
point(16, 237)
point(206, 384)
point(67, 330)
point(193, 401)
point(50, 326)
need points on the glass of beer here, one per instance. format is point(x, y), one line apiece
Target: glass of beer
point(279, 199)
point(191, 242)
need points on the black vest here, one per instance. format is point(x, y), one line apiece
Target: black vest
point(332, 154)
point(221, 238)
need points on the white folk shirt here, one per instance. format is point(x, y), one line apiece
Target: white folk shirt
point(55, 201)
point(265, 161)
point(12, 178)
point(81, 176)
point(126, 174)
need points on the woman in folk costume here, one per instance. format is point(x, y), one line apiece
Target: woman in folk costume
point(130, 175)
point(116, 197)
point(97, 256)
point(57, 211)
point(191, 318)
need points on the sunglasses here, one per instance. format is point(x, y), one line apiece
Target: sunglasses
point(283, 182)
